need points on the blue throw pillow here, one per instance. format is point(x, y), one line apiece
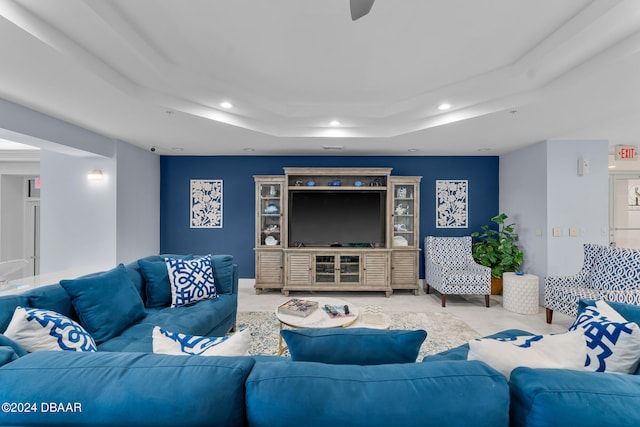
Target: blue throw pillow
point(156, 277)
point(8, 342)
point(223, 271)
point(7, 355)
point(106, 303)
point(191, 280)
point(354, 346)
point(51, 297)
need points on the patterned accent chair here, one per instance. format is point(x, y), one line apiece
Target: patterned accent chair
point(607, 273)
point(451, 269)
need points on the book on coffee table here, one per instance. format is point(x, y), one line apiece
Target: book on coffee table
point(298, 307)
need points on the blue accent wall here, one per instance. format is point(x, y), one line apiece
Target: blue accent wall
point(237, 235)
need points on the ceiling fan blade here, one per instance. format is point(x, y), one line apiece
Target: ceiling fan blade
point(359, 8)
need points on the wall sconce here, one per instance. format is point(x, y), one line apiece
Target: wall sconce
point(95, 175)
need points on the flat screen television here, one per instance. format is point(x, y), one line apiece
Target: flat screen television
point(337, 218)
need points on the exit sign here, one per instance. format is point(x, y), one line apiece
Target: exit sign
point(626, 152)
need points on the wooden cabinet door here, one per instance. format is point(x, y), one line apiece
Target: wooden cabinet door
point(269, 269)
point(375, 270)
point(299, 269)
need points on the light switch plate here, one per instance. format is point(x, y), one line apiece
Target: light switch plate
point(557, 231)
point(574, 232)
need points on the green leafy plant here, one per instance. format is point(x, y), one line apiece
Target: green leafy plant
point(497, 249)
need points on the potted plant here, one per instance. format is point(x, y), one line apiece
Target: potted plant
point(497, 249)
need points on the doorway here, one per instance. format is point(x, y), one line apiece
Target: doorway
point(624, 210)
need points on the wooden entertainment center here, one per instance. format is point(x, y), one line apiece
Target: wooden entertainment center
point(386, 262)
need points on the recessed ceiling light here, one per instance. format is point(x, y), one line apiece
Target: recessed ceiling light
point(413, 150)
point(482, 150)
point(444, 106)
point(249, 149)
point(335, 123)
point(177, 149)
point(226, 104)
point(333, 147)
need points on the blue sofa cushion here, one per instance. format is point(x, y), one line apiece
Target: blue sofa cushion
point(156, 277)
point(191, 280)
point(17, 348)
point(213, 317)
point(8, 305)
point(353, 346)
point(107, 302)
point(558, 397)
point(7, 355)
point(136, 389)
point(465, 393)
point(52, 297)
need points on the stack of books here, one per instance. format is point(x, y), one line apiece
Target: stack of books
point(298, 307)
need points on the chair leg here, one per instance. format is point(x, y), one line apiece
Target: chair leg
point(427, 288)
point(549, 315)
point(444, 300)
point(486, 300)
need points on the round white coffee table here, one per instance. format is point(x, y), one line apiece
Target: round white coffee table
point(318, 319)
point(520, 293)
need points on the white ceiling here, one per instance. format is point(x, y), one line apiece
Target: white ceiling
point(154, 72)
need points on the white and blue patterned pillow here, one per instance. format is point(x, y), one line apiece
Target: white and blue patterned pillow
point(38, 330)
point(191, 280)
point(165, 342)
point(557, 351)
point(613, 343)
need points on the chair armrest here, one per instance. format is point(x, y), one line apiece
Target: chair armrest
point(478, 268)
point(577, 280)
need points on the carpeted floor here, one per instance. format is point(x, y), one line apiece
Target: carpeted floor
point(444, 331)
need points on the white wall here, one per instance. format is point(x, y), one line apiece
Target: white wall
point(580, 202)
point(138, 213)
point(540, 189)
point(78, 220)
point(523, 197)
point(88, 225)
point(12, 202)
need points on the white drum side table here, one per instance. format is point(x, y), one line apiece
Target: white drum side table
point(520, 293)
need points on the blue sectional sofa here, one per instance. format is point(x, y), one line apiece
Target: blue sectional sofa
point(129, 385)
point(210, 317)
point(556, 397)
point(142, 389)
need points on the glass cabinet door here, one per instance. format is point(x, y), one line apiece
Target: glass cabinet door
point(270, 214)
point(325, 269)
point(404, 215)
point(349, 269)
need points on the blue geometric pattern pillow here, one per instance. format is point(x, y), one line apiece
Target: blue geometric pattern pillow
point(37, 330)
point(165, 342)
point(613, 343)
point(191, 280)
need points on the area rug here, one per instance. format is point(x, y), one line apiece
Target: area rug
point(444, 331)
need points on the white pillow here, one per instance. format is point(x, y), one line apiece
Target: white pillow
point(613, 343)
point(165, 342)
point(563, 351)
point(191, 280)
point(38, 330)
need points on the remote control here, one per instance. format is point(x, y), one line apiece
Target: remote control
point(346, 309)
